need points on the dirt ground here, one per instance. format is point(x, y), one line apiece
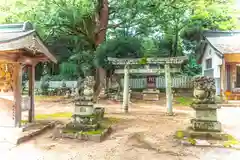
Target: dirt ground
point(145, 133)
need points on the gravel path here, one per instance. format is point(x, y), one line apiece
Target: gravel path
point(144, 134)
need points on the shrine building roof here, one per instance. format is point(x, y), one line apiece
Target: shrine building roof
point(225, 42)
point(23, 36)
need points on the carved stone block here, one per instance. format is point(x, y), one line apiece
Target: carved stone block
point(204, 125)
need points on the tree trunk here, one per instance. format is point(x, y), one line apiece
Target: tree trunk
point(102, 21)
point(175, 43)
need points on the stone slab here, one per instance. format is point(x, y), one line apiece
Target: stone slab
point(30, 134)
point(80, 136)
point(210, 115)
point(205, 106)
point(151, 96)
point(204, 135)
point(150, 91)
point(84, 103)
point(19, 135)
point(79, 126)
point(204, 125)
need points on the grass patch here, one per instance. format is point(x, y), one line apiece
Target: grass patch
point(54, 115)
point(99, 131)
point(24, 122)
point(179, 135)
point(107, 121)
point(185, 101)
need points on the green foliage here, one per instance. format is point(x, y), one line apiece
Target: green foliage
point(173, 28)
point(68, 70)
point(156, 47)
point(185, 101)
point(84, 61)
point(123, 47)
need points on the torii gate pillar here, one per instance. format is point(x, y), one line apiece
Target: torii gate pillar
point(168, 84)
point(126, 89)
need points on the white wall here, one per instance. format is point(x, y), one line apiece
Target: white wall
point(216, 65)
point(216, 61)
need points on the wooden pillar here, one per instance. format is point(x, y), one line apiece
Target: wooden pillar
point(18, 94)
point(168, 83)
point(223, 78)
point(31, 75)
point(126, 89)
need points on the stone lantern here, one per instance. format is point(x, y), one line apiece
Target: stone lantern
point(84, 117)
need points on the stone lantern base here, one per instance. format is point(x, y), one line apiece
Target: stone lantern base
point(205, 124)
point(205, 118)
point(150, 94)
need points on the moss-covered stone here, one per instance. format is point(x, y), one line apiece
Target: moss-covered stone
point(213, 138)
point(104, 124)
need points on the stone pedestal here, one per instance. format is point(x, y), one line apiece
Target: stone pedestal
point(150, 94)
point(205, 118)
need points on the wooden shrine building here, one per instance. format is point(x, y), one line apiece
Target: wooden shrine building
point(220, 59)
point(20, 46)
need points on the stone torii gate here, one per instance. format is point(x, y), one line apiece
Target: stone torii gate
point(167, 62)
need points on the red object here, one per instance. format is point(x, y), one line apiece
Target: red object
point(151, 82)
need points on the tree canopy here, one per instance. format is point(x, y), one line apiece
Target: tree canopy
point(83, 30)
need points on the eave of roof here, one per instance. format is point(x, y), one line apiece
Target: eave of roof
point(22, 37)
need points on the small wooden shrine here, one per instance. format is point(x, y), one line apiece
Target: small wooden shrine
point(20, 46)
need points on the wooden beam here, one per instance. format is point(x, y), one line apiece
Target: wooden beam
point(222, 78)
point(20, 57)
point(231, 58)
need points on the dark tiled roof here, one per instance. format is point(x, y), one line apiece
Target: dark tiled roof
point(9, 32)
point(224, 42)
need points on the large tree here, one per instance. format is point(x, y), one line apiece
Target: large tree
point(78, 27)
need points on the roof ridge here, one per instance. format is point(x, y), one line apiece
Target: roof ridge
point(18, 27)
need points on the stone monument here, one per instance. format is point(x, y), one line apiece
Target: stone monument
point(151, 93)
point(204, 105)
